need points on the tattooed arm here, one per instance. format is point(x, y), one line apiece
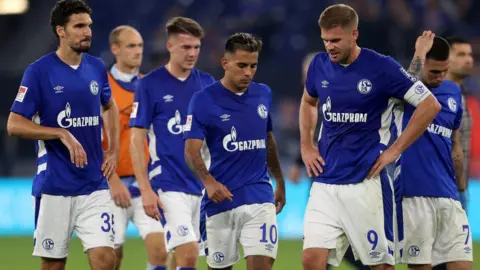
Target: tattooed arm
point(193, 157)
point(273, 164)
point(422, 47)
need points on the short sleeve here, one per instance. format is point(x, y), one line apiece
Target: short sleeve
point(27, 101)
point(142, 112)
point(197, 118)
point(401, 85)
point(106, 90)
point(210, 80)
point(310, 80)
point(458, 117)
point(269, 119)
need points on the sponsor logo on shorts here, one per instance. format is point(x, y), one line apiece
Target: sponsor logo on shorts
point(468, 250)
point(48, 244)
point(413, 251)
point(182, 230)
point(218, 257)
point(374, 254)
point(269, 247)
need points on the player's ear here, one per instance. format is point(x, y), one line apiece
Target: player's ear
point(224, 62)
point(60, 31)
point(114, 48)
point(355, 34)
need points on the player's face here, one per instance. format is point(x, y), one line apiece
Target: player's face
point(240, 67)
point(339, 42)
point(184, 50)
point(129, 50)
point(461, 59)
point(434, 72)
point(77, 32)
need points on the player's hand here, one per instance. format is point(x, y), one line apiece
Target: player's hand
point(77, 153)
point(313, 161)
point(294, 173)
point(152, 204)
point(110, 160)
point(387, 157)
point(280, 198)
point(424, 43)
point(120, 194)
point(217, 192)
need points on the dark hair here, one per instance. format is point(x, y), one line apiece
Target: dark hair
point(456, 40)
point(182, 25)
point(243, 41)
point(338, 15)
point(63, 10)
point(440, 50)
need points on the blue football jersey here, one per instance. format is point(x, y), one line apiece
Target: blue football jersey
point(357, 103)
point(64, 97)
point(161, 103)
point(426, 167)
point(235, 129)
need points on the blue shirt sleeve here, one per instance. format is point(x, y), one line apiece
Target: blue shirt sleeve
point(269, 119)
point(459, 116)
point(399, 81)
point(106, 90)
point(197, 118)
point(310, 80)
point(142, 110)
point(27, 101)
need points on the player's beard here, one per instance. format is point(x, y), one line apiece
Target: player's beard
point(80, 49)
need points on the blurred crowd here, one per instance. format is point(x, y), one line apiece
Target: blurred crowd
point(288, 28)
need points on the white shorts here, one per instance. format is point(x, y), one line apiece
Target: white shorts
point(89, 216)
point(360, 215)
point(136, 214)
point(254, 226)
point(436, 231)
point(181, 217)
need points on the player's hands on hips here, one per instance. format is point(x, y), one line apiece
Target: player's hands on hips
point(151, 204)
point(424, 43)
point(387, 157)
point(120, 194)
point(77, 153)
point(280, 198)
point(217, 192)
point(313, 161)
point(110, 160)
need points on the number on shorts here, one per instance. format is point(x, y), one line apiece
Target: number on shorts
point(372, 238)
point(113, 227)
point(466, 228)
point(273, 233)
point(106, 220)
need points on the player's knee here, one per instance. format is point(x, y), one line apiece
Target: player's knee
point(391, 267)
point(259, 263)
point(156, 251)
point(463, 265)
point(102, 258)
point(187, 254)
point(315, 259)
point(53, 264)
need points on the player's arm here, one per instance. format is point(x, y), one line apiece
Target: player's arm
point(308, 122)
point(422, 47)
point(111, 117)
point(273, 163)
point(137, 153)
point(194, 135)
point(26, 105)
point(457, 157)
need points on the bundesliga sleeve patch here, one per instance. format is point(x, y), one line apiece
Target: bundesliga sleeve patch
point(22, 91)
point(188, 124)
point(134, 110)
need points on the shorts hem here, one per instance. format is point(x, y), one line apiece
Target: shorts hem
point(263, 255)
point(319, 246)
point(173, 247)
point(49, 256)
point(98, 246)
point(451, 260)
point(223, 265)
point(416, 263)
point(145, 235)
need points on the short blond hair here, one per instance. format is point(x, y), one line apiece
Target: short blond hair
point(113, 38)
point(338, 15)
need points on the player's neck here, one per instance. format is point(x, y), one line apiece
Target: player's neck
point(353, 55)
point(69, 56)
point(455, 79)
point(126, 69)
point(231, 87)
point(177, 71)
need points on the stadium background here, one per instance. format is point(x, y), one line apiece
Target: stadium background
point(289, 31)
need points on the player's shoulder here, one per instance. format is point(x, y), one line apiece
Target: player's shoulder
point(451, 87)
point(93, 60)
point(154, 75)
point(202, 74)
point(378, 59)
point(45, 61)
point(260, 88)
